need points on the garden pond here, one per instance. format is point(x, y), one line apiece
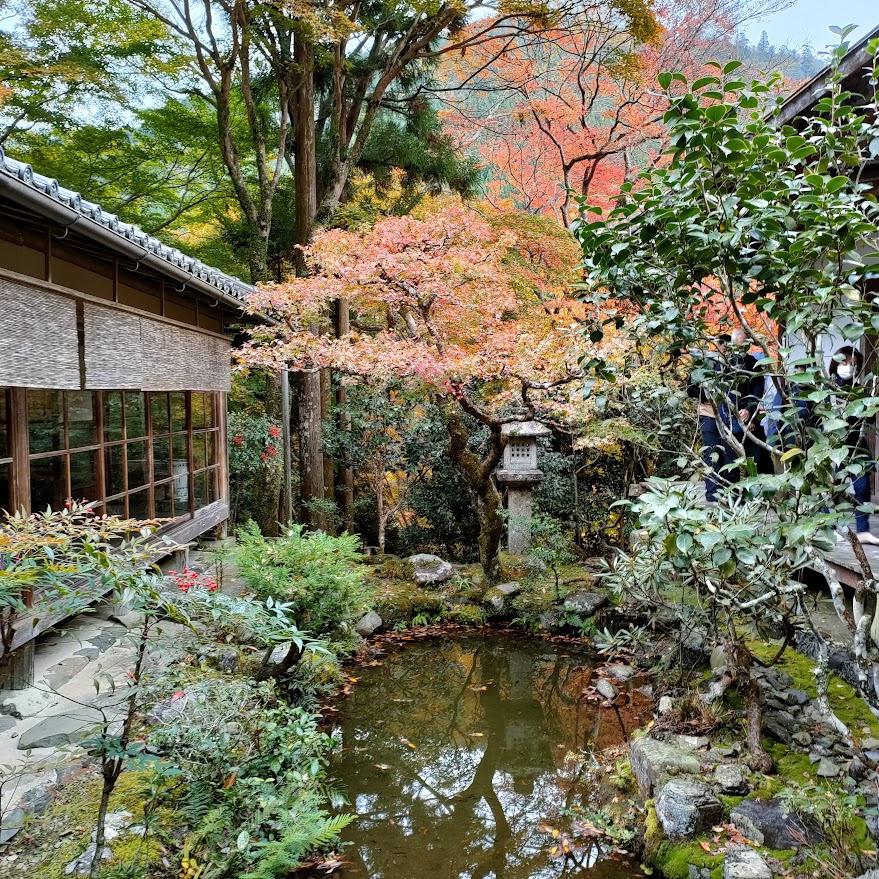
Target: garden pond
point(461, 751)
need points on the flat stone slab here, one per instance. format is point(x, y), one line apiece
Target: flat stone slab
point(584, 602)
point(765, 822)
point(685, 807)
point(430, 569)
point(59, 729)
point(60, 673)
point(652, 759)
point(742, 862)
point(621, 672)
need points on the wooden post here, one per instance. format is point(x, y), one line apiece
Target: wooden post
point(286, 441)
point(17, 669)
point(346, 474)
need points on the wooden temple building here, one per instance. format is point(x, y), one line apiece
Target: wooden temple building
point(114, 364)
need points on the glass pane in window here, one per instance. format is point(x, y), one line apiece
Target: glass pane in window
point(164, 494)
point(159, 407)
point(112, 415)
point(48, 483)
point(211, 439)
point(138, 466)
point(45, 415)
point(139, 504)
point(116, 507)
point(199, 459)
point(5, 496)
point(212, 486)
point(209, 420)
point(178, 411)
point(84, 476)
point(114, 470)
point(162, 458)
point(82, 419)
point(181, 450)
point(135, 415)
point(201, 490)
point(181, 487)
point(4, 429)
point(198, 410)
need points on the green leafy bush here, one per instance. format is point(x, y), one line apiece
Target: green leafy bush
point(255, 790)
point(317, 576)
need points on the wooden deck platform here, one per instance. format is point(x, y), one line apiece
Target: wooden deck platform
point(847, 567)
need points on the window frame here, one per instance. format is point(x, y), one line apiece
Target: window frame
point(211, 405)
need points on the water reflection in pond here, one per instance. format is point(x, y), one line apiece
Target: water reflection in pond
point(455, 751)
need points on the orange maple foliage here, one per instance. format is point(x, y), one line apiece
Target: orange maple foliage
point(573, 110)
point(473, 307)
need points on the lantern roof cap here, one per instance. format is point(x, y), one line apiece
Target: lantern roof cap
point(524, 429)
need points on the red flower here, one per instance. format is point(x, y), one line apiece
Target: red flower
point(271, 451)
point(274, 431)
point(238, 440)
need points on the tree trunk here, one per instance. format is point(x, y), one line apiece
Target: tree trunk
point(311, 465)
point(326, 402)
point(380, 509)
point(345, 486)
point(477, 474)
point(491, 527)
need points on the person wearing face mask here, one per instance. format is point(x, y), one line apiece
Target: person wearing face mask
point(737, 374)
point(844, 369)
point(745, 383)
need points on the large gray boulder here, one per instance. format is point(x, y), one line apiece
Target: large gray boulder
point(765, 822)
point(652, 760)
point(685, 807)
point(368, 624)
point(430, 569)
point(742, 862)
point(730, 779)
point(584, 602)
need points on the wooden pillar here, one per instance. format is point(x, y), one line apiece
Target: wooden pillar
point(346, 474)
point(326, 401)
point(17, 670)
point(286, 442)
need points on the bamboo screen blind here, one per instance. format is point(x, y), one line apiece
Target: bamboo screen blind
point(128, 351)
point(38, 339)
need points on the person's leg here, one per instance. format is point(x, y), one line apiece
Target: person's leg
point(861, 488)
point(713, 454)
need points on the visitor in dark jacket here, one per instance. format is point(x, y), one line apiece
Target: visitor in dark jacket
point(845, 368)
point(737, 373)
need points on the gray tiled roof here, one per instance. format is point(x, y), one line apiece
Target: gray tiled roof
point(52, 191)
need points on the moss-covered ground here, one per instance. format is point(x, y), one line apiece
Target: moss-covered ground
point(848, 705)
point(64, 830)
point(466, 597)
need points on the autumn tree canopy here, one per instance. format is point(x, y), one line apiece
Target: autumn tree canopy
point(469, 307)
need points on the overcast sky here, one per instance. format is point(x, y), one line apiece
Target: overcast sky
point(806, 22)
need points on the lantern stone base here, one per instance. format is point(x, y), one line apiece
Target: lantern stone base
point(520, 484)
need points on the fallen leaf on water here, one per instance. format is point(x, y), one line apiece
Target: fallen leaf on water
point(332, 864)
point(477, 735)
point(408, 743)
point(478, 689)
point(381, 765)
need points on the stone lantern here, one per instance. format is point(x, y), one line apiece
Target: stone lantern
point(520, 474)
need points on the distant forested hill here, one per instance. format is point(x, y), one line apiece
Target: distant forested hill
point(795, 64)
